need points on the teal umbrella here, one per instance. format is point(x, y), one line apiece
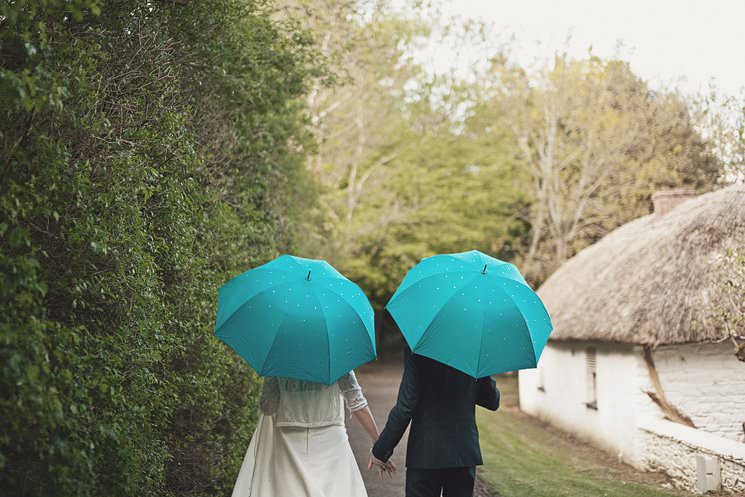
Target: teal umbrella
point(296, 318)
point(472, 312)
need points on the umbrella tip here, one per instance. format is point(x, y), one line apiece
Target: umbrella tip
point(483, 271)
point(308, 277)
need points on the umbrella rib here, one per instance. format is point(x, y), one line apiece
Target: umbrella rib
point(274, 340)
point(490, 262)
point(356, 314)
point(326, 327)
point(364, 326)
point(508, 281)
point(481, 257)
point(525, 323)
point(235, 311)
point(442, 308)
point(397, 296)
point(481, 342)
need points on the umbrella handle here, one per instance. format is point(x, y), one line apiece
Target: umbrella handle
point(483, 271)
point(308, 277)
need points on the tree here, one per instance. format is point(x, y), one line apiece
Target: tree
point(596, 143)
point(722, 119)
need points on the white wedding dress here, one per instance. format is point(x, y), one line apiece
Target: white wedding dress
point(300, 447)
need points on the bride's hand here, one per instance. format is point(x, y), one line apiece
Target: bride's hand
point(387, 467)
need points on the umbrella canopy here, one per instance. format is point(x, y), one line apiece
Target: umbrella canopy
point(296, 318)
point(472, 312)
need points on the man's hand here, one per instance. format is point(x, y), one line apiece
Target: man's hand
point(383, 467)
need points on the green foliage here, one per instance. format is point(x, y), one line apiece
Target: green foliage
point(149, 151)
point(400, 181)
point(444, 192)
point(723, 118)
point(527, 167)
point(595, 143)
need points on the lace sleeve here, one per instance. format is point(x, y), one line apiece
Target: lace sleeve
point(352, 392)
point(269, 400)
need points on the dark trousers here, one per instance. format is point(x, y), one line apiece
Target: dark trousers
point(452, 482)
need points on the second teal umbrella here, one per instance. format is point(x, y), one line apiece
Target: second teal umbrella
point(472, 312)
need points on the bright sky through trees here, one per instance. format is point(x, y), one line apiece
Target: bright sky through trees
point(683, 43)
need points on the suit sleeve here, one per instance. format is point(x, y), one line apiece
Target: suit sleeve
point(488, 394)
point(408, 395)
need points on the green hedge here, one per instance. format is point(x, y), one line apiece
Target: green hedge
point(149, 151)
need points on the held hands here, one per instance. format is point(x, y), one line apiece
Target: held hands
point(384, 467)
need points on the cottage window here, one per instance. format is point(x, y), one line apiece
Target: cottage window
point(592, 378)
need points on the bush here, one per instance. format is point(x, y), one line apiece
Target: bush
point(150, 151)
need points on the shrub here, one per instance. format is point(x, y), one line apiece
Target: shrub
point(150, 151)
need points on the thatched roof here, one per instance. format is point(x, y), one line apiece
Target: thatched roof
point(657, 280)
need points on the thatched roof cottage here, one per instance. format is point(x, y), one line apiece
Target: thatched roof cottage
point(646, 359)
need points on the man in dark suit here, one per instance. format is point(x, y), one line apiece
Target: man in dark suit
point(443, 449)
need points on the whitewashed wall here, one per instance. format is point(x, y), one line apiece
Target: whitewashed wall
point(610, 426)
point(706, 382)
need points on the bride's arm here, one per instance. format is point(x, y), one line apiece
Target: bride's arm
point(365, 418)
point(357, 404)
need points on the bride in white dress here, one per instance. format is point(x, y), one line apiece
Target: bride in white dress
point(300, 447)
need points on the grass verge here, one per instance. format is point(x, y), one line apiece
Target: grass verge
point(524, 457)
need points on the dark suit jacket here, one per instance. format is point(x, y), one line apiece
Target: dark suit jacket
point(439, 401)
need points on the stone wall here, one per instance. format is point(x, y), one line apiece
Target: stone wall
point(672, 448)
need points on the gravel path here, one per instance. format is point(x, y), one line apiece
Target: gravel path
point(380, 380)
